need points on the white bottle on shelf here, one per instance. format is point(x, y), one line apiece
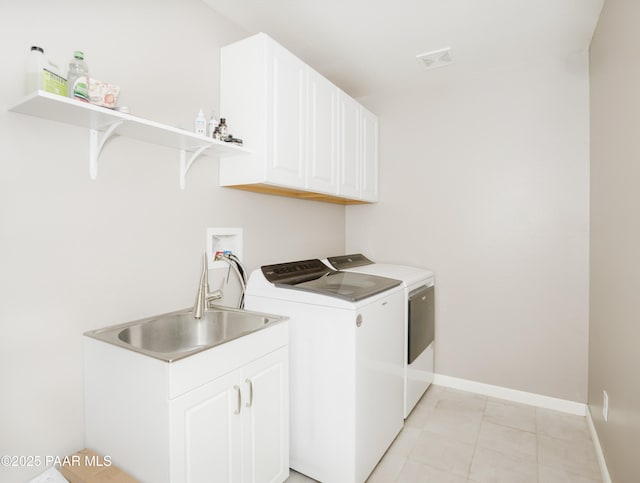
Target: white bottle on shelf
point(35, 65)
point(43, 74)
point(201, 124)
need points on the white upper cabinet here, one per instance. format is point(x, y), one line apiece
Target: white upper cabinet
point(307, 136)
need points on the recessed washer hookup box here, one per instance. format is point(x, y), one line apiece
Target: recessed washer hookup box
point(86, 466)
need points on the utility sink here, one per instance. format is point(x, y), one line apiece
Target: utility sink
point(173, 336)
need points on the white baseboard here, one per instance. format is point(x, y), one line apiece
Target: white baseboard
point(604, 471)
point(538, 400)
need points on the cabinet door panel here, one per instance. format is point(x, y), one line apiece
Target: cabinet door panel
point(369, 125)
point(349, 146)
point(266, 431)
point(206, 433)
point(322, 146)
point(286, 138)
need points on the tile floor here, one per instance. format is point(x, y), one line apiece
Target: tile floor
point(458, 437)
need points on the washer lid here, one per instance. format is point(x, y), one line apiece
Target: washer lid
point(314, 276)
point(343, 262)
point(361, 264)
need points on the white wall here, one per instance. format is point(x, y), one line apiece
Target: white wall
point(614, 331)
point(485, 180)
point(77, 254)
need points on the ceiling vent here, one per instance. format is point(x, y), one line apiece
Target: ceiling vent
point(436, 58)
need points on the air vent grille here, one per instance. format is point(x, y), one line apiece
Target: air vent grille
point(436, 58)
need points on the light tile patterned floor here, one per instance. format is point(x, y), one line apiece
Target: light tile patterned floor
point(458, 437)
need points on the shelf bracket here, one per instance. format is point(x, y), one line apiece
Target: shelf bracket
point(96, 144)
point(186, 165)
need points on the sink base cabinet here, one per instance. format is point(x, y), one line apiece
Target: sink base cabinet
point(160, 423)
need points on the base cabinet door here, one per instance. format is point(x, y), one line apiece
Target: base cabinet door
point(266, 419)
point(206, 436)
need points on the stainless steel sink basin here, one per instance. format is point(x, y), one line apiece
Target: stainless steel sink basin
point(176, 335)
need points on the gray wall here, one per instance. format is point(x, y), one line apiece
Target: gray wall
point(485, 179)
point(614, 331)
point(77, 254)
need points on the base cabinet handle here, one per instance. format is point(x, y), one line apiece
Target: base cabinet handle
point(239, 405)
point(250, 383)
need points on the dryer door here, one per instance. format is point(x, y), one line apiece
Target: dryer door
point(421, 321)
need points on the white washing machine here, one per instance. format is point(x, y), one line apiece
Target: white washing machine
point(419, 317)
point(346, 350)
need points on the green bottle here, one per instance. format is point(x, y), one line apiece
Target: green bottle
point(78, 78)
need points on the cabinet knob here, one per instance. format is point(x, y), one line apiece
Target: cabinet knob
point(359, 320)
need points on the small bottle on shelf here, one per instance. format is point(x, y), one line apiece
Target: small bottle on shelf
point(216, 134)
point(213, 123)
point(222, 127)
point(35, 64)
point(78, 78)
point(201, 124)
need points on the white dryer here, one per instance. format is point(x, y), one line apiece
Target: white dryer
point(346, 350)
point(419, 319)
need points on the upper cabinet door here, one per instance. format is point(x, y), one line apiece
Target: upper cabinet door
point(286, 132)
point(322, 129)
point(369, 158)
point(349, 146)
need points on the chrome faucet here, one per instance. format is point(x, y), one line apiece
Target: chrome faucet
point(235, 264)
point(204, 296)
